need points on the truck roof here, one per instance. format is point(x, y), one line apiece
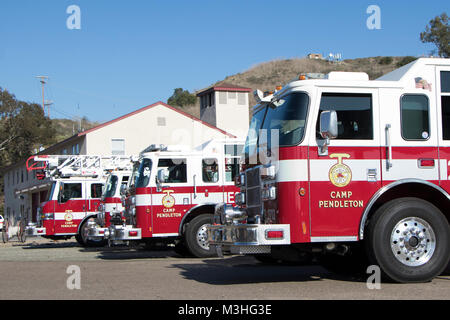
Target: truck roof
point(404, 77)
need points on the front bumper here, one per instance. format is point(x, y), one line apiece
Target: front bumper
point(248, 238)
point(34, 231)
point(115, 233)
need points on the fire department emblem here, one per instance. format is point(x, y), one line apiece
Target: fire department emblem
point(340, 174)
point(68, 216)
point(168, 200)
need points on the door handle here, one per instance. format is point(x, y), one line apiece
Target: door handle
point(389, 147)
point(195, 187)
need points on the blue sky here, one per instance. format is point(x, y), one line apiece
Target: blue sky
point(129, 54)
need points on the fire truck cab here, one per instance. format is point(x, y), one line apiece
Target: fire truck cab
point(331, 165)
point(174, 195)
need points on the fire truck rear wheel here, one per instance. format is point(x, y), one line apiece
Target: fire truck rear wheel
point(409, 239)
point(196, 236)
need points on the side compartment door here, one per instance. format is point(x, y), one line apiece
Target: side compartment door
point(208, 186)
point(343, 180)
point(410, 137)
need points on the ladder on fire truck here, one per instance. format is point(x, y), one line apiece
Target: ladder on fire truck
point(66, 166)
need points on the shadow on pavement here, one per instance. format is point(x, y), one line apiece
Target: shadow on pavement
point(246, 270)
point(48, 245)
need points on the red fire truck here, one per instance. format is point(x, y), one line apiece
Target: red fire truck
point(344, 163)
point(76, 187)
point(174, 195)
point(112, 209)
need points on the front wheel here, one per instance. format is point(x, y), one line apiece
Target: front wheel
point(196, 236)
point(409, 239)
point(82, 237)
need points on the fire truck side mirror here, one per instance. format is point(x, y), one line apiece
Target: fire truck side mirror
point(61, 193)
point(161, 176)
point(123, 189)
point(328, 130)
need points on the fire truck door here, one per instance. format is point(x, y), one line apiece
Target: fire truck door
point(70, 208)
point(343, 179)
point(410, 138)
point(174, 198)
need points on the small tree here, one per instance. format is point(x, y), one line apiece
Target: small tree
point(438, 33)
point(182, 98)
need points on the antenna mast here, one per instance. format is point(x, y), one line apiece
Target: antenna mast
point(44, 103)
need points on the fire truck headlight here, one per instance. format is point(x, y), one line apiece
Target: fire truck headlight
point(268, 173)
point(269, 193)
point(228, 214)
point(239, 198)
point(242, 179)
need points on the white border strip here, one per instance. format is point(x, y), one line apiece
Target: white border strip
point(334, 239)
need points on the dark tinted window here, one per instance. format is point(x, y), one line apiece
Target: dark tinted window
point(71, 191)
point(176, 170)
point(210, 170)
point(96, 190)
point(354, 113)
point(415, 117)
point(446, 117)
point(445, 81)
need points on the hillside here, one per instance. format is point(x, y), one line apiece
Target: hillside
point(268, 75)
point(66, 128)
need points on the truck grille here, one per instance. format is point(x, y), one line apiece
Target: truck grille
point(253, 191)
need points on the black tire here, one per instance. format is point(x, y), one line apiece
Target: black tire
point(83, 241)
point(195, 233)
point(181, 249)
point(407, 226)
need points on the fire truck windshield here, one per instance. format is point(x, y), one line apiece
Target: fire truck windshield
point(144, 173)
point(111, 186)
point(281, 123)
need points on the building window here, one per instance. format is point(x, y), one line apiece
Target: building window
point(231, 95)
point(415, 119)
point(222, 97)
point(64, 151)
point(241, 98)
point(161, 121)
point(118, 147)
point(76, 149)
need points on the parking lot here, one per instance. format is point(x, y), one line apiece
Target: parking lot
point(38, 269)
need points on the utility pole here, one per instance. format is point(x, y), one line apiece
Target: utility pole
point(44, 103)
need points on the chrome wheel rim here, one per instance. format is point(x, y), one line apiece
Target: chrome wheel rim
point(202, 237)
point(413, 241)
